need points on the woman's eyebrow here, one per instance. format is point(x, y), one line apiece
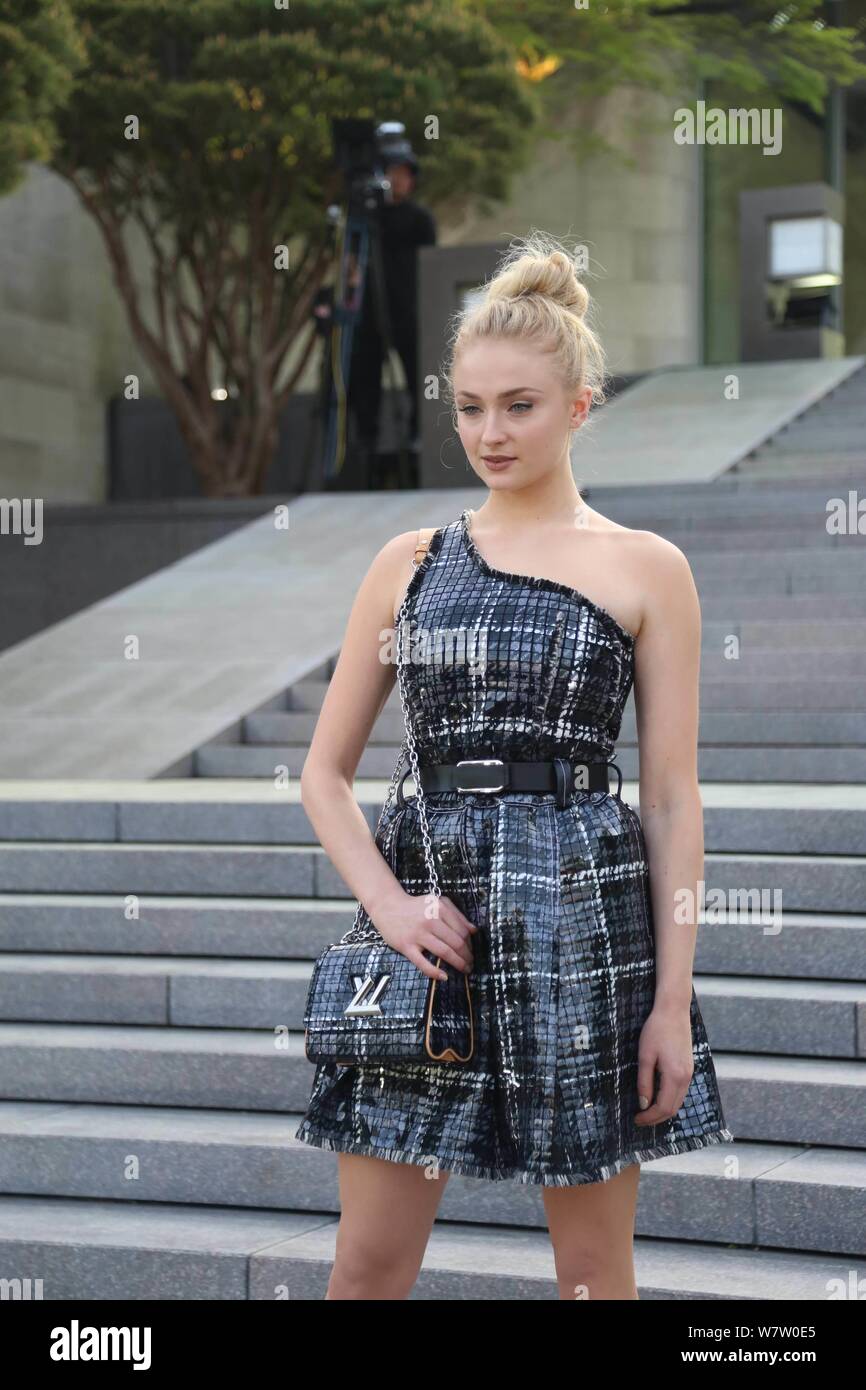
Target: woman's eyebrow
point(513, 391)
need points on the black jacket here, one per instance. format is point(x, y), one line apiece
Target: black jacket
point(405, 226)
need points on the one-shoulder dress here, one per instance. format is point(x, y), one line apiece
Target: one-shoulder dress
point(563, 974)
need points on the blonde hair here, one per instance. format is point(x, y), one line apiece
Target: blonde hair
point(534, 295)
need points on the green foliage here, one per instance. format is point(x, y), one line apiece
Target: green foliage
point(783, 50)
point(207, 124)
point(768, 50)
point(40, 51)
point(235, 97)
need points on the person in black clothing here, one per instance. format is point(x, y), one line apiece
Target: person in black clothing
point(405, 225)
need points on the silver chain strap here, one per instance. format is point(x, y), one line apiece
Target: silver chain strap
point(357, 933)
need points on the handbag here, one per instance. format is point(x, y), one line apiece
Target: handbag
point(369, 1003)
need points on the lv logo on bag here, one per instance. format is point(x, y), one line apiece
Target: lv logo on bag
point(363, 1003)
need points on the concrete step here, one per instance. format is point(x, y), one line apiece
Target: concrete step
point(753, 763)
point(814, 446)
point(836, 419)
point(819, 572)
point(844, 695)
point(307, 697)
point(843, 466)
point(806, 687)
point(809, 946)
point(814, 1018)
point(842, 471)
point(697, 541)
point(805, 882)
point(808, 1199)
point(95, 1250)
point(185, 812)
point(850, 448)
point(164, 990)
point(731, 656)
point(795, 1100)
point(806, 1018)
point(205, 870)
point(80, 926)
point(758, 763)
point(848, 406)
point(297, 728)
point(808, 883)
point(267, 929)
point(837, 406)
point(736, 504)
point(747, 663)
point(842, 428)
point(784, 607)
point(310, 700)
point(771, 817)
point(743, 728)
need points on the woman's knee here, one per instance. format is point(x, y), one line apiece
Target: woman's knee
point(363, 1271)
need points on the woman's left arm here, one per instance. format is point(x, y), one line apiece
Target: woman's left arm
point(667, 684)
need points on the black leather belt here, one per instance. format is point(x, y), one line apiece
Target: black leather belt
point(559, 775)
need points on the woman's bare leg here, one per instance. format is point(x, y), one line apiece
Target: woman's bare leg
point(592, 1229)
point(387, 1214)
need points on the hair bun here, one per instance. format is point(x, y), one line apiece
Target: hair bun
point(550, 273)
point(536, 300)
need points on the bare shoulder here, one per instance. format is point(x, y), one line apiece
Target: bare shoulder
point(658, 557)
point(400, 547)
point(664, 561)
point(657, 570)
point(669, 594)
point(393, 564)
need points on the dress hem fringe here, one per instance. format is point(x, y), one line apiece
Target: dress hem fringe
point(316, 1138)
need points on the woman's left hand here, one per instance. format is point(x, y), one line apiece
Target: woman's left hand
point(665, 1046)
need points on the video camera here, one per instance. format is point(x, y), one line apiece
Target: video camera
point(363, 151)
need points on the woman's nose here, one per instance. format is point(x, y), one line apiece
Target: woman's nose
point(493, 432)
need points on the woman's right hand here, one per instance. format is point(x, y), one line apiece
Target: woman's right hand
point(408, 925)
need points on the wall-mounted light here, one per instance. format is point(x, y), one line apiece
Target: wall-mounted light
point(805, 249)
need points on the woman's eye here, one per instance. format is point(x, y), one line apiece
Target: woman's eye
point(525, 405)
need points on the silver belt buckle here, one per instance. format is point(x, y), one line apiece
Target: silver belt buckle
point(481, 762)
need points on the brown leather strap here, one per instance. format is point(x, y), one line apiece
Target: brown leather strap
point(424, 534)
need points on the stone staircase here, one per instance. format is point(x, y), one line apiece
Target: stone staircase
point(827, 440)
point(157, 949)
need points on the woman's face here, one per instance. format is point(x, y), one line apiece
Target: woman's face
point(511, 405)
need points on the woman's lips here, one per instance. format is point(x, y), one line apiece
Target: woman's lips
point(494, 462)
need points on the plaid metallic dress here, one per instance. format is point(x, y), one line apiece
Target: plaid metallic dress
point(521, 667)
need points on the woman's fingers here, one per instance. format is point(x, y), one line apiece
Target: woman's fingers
point(646, 1078)
point(455, 915)
point(427, 967)
point(672, 1093)
point(459, 920)
point(455, 936)
point(437, 943)
point(446, 932)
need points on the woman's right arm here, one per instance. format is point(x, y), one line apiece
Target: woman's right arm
point(356, 693)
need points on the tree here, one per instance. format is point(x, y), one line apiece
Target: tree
point(40, 52)
point(206, 124)
point(766, 49)
point(205, 127)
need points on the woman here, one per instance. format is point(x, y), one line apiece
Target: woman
point(590, 1050)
